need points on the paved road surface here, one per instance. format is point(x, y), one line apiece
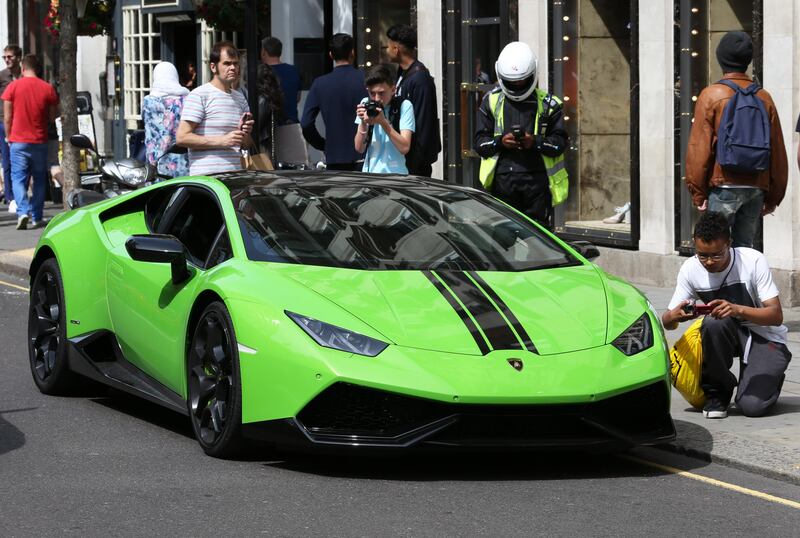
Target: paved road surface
point(103, 463)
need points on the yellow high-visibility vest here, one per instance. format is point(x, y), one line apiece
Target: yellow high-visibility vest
point(555, 166)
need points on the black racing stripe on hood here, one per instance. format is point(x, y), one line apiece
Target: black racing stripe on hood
point(496, 329)
point(523, 334)
point(473, 330)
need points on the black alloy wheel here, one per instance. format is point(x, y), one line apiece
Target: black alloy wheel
point(47, 340)
point(215, 399)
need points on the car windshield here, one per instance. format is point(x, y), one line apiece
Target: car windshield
point(414, 227)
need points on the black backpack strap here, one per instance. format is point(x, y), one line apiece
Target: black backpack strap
point(394, 112)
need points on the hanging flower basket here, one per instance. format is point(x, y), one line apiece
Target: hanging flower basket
point(97, 20)
point(230, 15)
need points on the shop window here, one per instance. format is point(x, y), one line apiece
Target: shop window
point(595, 71)
point(699, 27)
point(142, 51)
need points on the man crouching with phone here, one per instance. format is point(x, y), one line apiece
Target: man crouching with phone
point(216, 121)
point(745, 320)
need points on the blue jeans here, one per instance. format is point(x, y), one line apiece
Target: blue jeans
point(29, 160)
point(742, 207)
point(5, 158)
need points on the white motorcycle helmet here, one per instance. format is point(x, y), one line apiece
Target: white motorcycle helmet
point(516, 71)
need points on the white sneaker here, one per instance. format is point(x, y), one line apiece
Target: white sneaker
point(620, 214)
point(12, 206)
point(22, 222)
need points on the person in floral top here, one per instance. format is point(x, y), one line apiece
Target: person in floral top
point(161, 114)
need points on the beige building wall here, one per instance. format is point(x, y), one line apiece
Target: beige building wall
point(656, 131)
point(429, 51)
point(782, 80)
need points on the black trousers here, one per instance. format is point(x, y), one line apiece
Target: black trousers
point(760, 379)
point(424, 170)
point(528, 193)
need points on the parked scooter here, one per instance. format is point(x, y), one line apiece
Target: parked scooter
point(116, 176)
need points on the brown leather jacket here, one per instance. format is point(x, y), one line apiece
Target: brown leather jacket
point(702, 170)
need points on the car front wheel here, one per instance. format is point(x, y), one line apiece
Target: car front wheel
point(215, 398)
point(47, 338)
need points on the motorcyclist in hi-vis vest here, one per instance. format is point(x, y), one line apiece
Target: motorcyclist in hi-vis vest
point(521, 138)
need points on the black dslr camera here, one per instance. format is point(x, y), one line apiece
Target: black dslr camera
point(518, 132)
point(373, 108)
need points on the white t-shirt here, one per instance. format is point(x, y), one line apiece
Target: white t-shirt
point(746, 280)
point(382, 156)
point(216, 113)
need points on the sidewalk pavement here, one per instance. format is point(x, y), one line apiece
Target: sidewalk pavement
point(767, 445)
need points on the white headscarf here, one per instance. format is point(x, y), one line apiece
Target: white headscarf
point(165, 81)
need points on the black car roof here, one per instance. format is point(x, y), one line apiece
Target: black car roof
point(243, 179)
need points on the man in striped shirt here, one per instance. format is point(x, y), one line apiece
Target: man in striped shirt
point(216, 120)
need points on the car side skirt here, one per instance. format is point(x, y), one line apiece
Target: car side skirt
point(97, 355)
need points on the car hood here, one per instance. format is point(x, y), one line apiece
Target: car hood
point(548, 310)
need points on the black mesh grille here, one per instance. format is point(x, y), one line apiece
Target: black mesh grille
point(349, 410)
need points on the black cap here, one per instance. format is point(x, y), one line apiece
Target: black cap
point(735, 52)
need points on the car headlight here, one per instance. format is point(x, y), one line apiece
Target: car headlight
point(334, 337)
point(635, 338)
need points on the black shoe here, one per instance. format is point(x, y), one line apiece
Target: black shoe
point(714, 408)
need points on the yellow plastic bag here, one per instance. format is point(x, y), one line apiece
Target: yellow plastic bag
point(686, 362)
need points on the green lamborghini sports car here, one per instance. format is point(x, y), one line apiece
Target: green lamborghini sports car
point(342, 310)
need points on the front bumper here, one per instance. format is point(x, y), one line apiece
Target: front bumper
point(346, 415)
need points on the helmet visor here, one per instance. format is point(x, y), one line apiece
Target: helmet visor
point(518, 87)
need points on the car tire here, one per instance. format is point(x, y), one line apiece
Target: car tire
point(214, 387)
point(47, 332)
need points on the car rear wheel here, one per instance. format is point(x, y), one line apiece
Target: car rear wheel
point(215, 397)
point(47, 339)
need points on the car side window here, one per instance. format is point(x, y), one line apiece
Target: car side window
point(197, 225)
point(159, 205)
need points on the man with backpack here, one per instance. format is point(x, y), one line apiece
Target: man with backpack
point(736, 161)
point(415, 83)
point(385, 125)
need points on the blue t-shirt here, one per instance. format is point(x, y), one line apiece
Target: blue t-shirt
point(382, 156)
point(289, 77)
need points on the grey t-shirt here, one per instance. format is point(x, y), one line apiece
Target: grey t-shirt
point(216, 113)
point(6, 78)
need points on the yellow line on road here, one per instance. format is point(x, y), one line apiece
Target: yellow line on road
point(714, 482)
point(10, 285)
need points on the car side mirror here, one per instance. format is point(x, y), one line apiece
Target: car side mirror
point(158, 248)
point(585, 249)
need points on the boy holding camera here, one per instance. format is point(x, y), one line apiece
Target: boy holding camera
point(744, 319)
point(385, 125)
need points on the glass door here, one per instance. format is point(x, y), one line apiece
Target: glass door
point(476, 33)
point(594, 69)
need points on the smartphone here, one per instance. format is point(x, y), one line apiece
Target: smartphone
point(703, 309)
point(517, 131)
point(246, 116)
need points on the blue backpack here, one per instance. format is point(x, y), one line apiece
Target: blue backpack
point(743, 137)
